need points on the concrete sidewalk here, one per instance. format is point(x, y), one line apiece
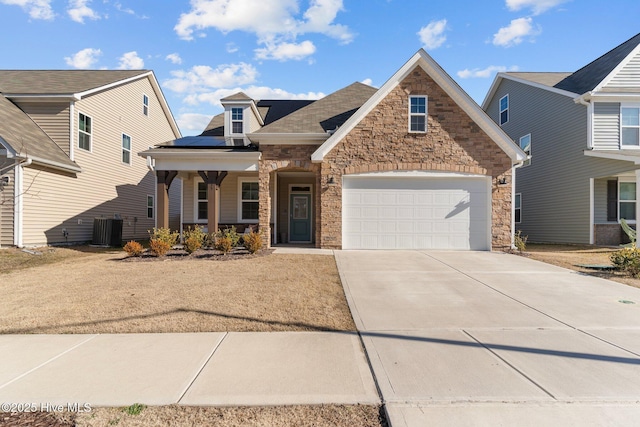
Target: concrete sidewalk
point(189, 369)
point(482, 338)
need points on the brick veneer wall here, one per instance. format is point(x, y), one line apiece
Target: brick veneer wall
point(381, 142)
point(289, 158)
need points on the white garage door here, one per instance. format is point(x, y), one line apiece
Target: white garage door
point(443, 212)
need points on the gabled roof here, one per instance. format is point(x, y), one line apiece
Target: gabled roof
point(60, 82)
point(322, 115)
point(240, 96)
point(23, 137)
point(547, 79)
point(431, 67)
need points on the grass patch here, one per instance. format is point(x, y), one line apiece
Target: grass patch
point(134, 409)
point(14, 259)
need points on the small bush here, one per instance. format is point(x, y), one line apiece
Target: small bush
point(134, 409)
point(159, 247)
point(164, 235)
point(252, 242)
point(223, 244)
point(520, 241)
point(194, 239)
point(133, 248)
point(627, 260)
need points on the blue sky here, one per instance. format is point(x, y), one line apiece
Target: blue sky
point(204, 50)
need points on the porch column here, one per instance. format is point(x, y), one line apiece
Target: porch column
point(637, 201)
point(213, 179)
point(163, 180)
point(264, 204)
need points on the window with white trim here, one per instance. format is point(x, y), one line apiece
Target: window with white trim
point(150, 206)
point(627, 200)
point(517, 207)
point(237, 117)
point(126, 149)
point(525, 144)
point(145, 105)
point(201, 202)
point(85, 127)
point(629, 126)
point(418, 114)
point(504, 109)
point(248, 199)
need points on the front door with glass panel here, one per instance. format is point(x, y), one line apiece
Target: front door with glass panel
point(300, 218)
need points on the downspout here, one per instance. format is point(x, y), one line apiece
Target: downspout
point(72, 154)
point(583, 101)
point(513, 198)
point(18, 205)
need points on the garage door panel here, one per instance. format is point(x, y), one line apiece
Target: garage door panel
point(416, 213)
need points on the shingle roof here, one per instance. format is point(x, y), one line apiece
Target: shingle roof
point(240, 96)
point(547, 79)
point(27, 138)
point(324, 114)
point(589, 76)
point(58, 82)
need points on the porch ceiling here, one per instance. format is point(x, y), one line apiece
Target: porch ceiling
point(623, 155)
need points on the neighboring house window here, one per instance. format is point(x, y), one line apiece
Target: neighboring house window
point(504, 109)
point(126, 149)
point(202, 202)
point(145, 105)
point(525, 144)
point(518, 207)
point(150, 206)
point(627, 200)
point(85, 127)
point(248, 200)
point(630, 126)
point(418, 114)
point(236, 120)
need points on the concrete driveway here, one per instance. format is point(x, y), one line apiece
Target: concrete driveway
point(486, 338)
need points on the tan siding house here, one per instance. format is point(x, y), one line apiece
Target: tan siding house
point(90, 168)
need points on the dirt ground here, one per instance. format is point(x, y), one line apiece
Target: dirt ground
point(82, 292)
point(571, 256)
point(178, 416)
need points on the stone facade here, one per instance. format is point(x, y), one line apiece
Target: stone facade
point(285, 158)
point(381, 142)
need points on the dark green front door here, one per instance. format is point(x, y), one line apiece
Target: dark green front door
point(300, 218)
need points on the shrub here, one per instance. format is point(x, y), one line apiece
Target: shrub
point(194, 239)
point(223, 244)
point(159, 247)
point(520, 241)
point(133, 248)
point(627, 260)
point(164, 235)
point(252, 242)
point(229, 233)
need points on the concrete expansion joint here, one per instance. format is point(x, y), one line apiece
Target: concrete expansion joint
point(197, 374)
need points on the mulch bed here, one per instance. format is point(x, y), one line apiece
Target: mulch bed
point(200, 254)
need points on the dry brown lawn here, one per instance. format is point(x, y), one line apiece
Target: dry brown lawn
point(571, 256)
point(178, 416)
point(80, 292)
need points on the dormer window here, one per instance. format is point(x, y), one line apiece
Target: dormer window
point(237, 115)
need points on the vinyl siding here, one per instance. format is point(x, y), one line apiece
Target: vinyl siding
point(228, 203)
point(106, 187)
point(555, 187)
point(53, 118)
point(6, 207)
point(600, 201)
point(628, 76)
point(606, 126)
point(174, 204)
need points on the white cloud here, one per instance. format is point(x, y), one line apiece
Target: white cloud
point(285, 51)
point(367, 82)
point(192, 123)
point(37, 9)
point(130, 61)
point(232, 48)
point(432, 36)
point(79, 10)
point(202, 77)
point(174, 58)
point(536, 6)
point(484, 73)
point(514, 33)
point(255, 92)
point(84, 58)
point(275, 23)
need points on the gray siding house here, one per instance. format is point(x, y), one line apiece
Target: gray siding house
point(68, 144)
point(582, 132)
